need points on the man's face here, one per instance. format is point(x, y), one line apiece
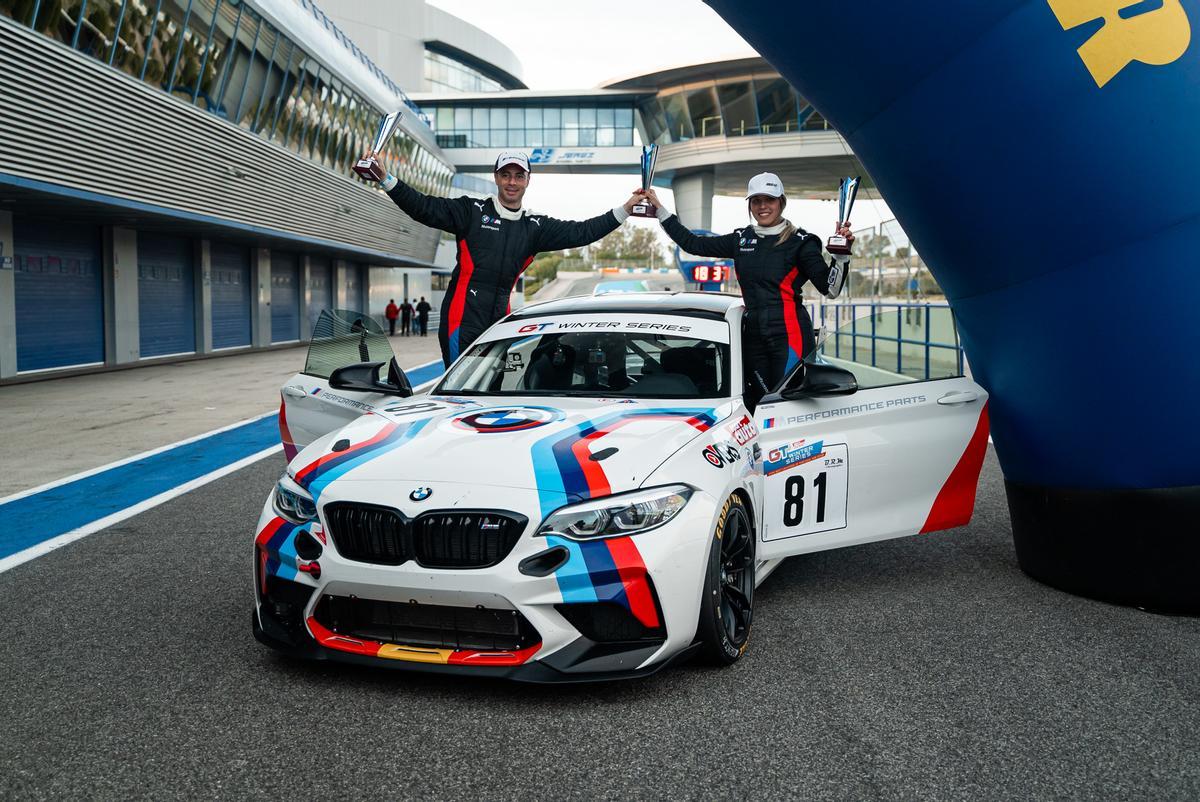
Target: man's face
point(511, 183)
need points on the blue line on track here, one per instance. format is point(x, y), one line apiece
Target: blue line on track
point(27, 521)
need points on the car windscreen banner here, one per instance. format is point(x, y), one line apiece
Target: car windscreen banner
point(675, 325)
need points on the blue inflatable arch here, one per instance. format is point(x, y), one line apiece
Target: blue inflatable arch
point(1043, 155)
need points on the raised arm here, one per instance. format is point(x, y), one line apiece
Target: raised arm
point(447, 214)
point(723, 246)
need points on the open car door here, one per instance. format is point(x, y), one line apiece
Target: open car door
point(886, 440)
point(310, 407)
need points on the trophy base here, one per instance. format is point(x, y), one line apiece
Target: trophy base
point(369, 169)
point(838, 244)
point(644, 210)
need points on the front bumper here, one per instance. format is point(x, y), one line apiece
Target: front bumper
point(608, 609)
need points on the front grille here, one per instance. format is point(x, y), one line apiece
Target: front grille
point(369, 534)
point(432, 625)
point(465, 539)
point(436, 539)
point(606, 622)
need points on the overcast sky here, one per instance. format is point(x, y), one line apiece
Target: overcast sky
point(579, 44)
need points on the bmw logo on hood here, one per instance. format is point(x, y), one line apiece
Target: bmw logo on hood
point(420, 494)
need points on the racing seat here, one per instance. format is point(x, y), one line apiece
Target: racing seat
point(551, 368)
point(697, 362)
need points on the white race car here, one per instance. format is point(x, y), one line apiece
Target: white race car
point(584, 494)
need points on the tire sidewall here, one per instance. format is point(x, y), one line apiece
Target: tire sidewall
point(712, 629)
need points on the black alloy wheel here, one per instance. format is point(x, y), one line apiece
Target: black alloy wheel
point(727, 606)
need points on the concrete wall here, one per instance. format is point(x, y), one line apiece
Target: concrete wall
point(8, 301)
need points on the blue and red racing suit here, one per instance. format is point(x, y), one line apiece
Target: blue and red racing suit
point(778, 332)
point(495, 245)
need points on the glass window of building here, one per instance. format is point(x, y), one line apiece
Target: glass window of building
point(679, 124)
point(587, 118)
point(552, 118)
point(703, 109)
point(776, 105)
point(444, 73)
point(654, 120)
point(737, 106)
point(222, 53)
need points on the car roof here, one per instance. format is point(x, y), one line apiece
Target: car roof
point(713, 305)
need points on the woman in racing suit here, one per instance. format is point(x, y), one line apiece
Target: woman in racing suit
point(773, 259)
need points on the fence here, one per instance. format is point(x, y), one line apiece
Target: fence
point(915, 340)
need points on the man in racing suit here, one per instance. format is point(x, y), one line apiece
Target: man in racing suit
point(497, 239)
point(773, 260)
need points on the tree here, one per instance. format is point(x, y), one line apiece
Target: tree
point(628, 243)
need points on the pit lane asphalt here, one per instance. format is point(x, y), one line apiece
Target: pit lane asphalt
point(928, 667)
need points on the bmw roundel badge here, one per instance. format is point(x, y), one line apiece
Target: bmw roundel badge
point(420, 494)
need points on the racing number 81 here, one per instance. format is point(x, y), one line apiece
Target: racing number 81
point(793, 499)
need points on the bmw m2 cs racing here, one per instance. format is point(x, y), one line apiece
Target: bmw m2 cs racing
point(585, 494)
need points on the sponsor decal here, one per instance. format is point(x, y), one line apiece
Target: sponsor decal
point(347, 402)
point(507, 419)
point(420, 494)
point(769, 423)
point(855, 409)
point(719, 455)
point(561, 156)
point(744, 430)
point(601, 324)
point(789, 455)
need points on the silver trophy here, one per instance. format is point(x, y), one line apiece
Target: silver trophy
point(847, 192)
point(644, 208)
point(368, 167)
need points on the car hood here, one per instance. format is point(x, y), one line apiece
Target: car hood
point(569, 447)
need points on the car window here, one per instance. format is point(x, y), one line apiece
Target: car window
point(883, 346)
point(343, 337)
point(611, 364)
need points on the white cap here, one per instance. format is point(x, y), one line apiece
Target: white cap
point(765, 184)
point(512, 157)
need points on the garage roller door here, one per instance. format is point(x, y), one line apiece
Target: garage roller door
point(166, 295)
point(230, 296)
point(59, 294)
point(320, 288)
point(285, 298)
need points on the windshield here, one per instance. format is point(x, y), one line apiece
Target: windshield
point(610, 364)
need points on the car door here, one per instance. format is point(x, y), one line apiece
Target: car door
point(309, 408)
point(900, 456)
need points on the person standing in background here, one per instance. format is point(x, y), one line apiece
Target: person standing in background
point(406, 313)
point(423, 309)
point(391, 313)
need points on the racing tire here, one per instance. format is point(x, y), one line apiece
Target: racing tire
point(727, 600)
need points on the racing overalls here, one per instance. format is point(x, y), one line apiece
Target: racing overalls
point(495, 245)
point(778, 332)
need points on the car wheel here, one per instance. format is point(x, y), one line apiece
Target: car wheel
point(727, 603)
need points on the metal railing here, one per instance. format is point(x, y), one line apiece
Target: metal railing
point(865, 333)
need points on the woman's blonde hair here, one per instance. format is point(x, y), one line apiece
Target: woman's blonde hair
point(788, 228)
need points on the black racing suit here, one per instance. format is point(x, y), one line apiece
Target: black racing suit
point(778, 332)
point(493, 251)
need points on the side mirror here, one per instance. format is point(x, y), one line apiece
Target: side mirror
point(813, 380)
point(364, 377)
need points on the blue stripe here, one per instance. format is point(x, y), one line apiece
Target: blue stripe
point(574, 580)
point(28, 521)
point(425, 373)
point(25, 522)
point(393, 441)
point(606, 580)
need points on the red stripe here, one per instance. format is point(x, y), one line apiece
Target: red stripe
point(593, 473)
point(788, 296)
point(269, 531)
point(632, 570)
point(469, 657)
point(342, 643)
point(518, 278)
point(956, 501)
point(285, 435)
point(466, 266)
point(383, 433)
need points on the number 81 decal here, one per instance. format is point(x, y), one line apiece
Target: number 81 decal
point(809, 496)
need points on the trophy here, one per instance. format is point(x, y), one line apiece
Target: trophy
point(368, 167)
point(847, 192)
point(644, 208)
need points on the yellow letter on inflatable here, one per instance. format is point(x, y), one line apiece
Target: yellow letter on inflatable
point(1154, 37)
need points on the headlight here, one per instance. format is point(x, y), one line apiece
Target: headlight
point(293, 503)
point(626, 514)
